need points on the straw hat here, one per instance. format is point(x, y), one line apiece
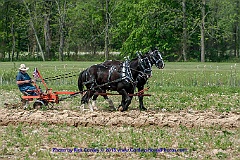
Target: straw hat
point(23, 67)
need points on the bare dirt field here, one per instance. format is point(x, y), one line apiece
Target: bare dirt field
point(133, 118)
point(11, 112)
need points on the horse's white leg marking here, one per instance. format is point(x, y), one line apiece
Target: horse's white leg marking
point(90, 106)
point(94, 104)
point(82, 107)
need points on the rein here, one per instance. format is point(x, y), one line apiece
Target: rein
point(66, 75)
point(144, 74)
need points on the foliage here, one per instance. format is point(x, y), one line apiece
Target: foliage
point(134, 25)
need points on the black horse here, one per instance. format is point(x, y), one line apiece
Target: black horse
point(155, 57)
point(120, 77)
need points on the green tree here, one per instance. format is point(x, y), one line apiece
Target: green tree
point(148, 24)
point(86, 26)
point(221, 30)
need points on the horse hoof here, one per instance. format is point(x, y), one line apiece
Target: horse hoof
point(143, 109)
point(112, 108)
point(120, 108)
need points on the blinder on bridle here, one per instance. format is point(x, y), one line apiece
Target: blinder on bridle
point(157, 59)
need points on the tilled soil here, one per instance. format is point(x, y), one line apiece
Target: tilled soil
point(12, 113)
point(133, 118)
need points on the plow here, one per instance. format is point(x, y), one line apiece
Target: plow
point(48, 96)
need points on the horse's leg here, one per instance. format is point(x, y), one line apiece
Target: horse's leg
point(110, 102)
point(120, 107)
point(141, 106)
point(94, 101)
point(91, 106)
point(126, 100)
point(129, 99)
point(140, 98)
point(84, 100)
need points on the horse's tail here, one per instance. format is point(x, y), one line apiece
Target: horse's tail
point(80, 81)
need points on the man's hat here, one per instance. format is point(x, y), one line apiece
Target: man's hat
point(23, 67)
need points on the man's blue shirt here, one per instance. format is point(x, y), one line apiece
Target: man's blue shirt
point(26, 86)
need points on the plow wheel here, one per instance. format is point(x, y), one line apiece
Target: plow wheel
point(38, 104)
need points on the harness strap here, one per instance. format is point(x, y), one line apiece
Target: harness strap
point(111, 70)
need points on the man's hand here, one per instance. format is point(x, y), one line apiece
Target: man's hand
point(27, 81)
point(24, 82)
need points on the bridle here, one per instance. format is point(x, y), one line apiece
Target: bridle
point(155, 57)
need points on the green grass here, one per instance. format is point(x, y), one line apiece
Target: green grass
point(174, 74)
point(37, 141)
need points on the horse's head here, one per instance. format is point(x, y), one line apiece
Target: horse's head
point(144, 65)
point(156, 58)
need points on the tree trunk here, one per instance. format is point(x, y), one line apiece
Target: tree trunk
point(203, 32)
point(62, 14)
point(184, 43)
point(47, 35)
point(32, 41)
point(62, 40)
point(13, 40)
point(6, 41)
point(106, 50)
point(31, 24)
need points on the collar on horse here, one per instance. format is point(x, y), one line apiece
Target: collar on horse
point(126, 71)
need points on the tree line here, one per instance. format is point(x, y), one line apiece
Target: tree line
point(183, 30)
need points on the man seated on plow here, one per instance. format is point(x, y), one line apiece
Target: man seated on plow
point(24, 83)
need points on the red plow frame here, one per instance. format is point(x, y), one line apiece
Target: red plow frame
point(44, 98)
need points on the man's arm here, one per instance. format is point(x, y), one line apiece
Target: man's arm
point(24, 82)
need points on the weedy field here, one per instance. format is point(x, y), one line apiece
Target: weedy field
point(193, 113)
